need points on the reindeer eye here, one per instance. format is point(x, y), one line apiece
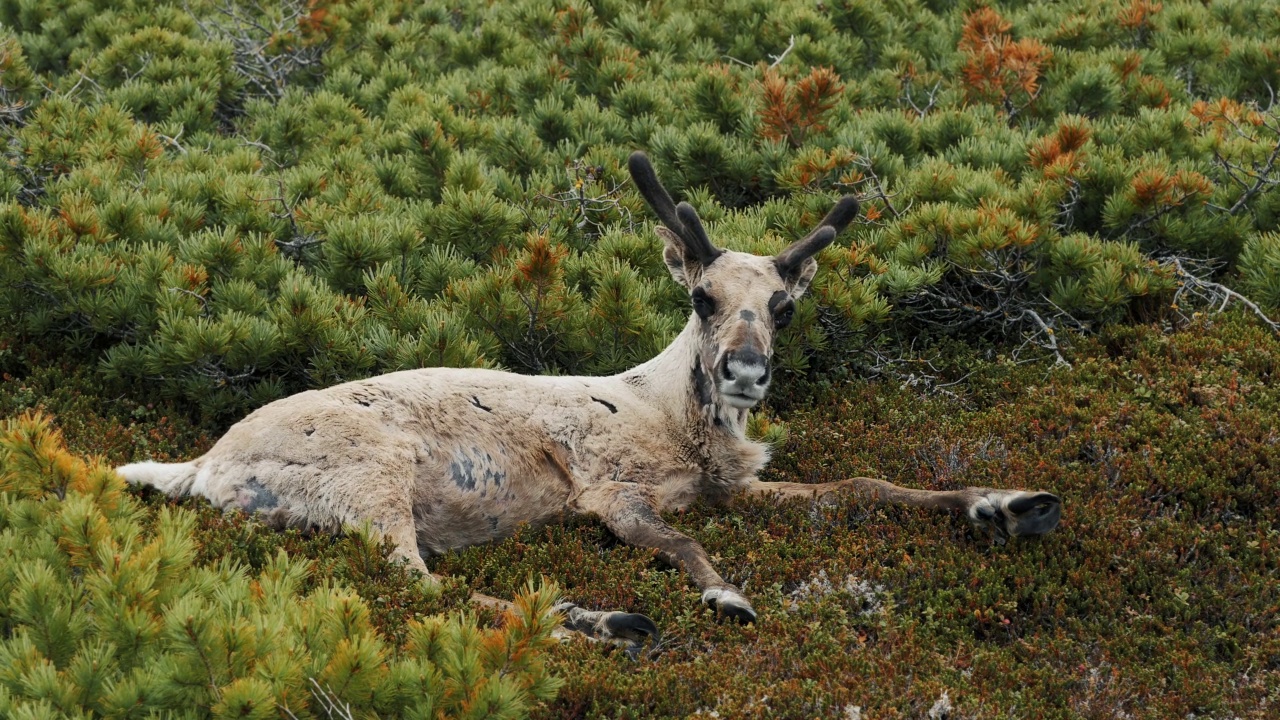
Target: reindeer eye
point(703, 304)
point(782, 317)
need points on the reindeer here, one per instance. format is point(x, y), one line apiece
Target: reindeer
point(438, 459)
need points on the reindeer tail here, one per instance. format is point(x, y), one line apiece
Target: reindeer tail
point(174, 479)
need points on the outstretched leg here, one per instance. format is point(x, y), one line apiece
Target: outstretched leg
point(1007, 513)
point(628, 511)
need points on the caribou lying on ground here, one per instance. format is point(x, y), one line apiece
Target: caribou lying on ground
point(437, 459)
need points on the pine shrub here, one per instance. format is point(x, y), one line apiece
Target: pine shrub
point(1260, 268)
point(236, 201)
point(105, 614)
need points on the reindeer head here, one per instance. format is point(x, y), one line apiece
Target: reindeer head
point(741, 300)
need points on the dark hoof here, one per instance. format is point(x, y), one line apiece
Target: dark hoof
point(1013, 513)
point(744, 615)
point(630, 626)
point(1034, 513)
point(731, 603)
point(615, 628)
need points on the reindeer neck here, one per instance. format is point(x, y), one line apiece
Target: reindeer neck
point(678, 383)
point(681, 388)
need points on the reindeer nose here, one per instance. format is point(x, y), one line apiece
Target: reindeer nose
point(744, 368)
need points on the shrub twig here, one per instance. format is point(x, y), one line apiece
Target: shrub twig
point(777, 59)
point(589, 206)
point(299, 239)
point(262, 54)
point(1209, 292)
point(931, 96)
point(1259, 176)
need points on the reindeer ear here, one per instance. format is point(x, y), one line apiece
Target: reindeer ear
point(684, 267)
point(798, 282)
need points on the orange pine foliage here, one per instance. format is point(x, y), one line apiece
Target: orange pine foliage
point(1138, 13)
point(1061, 154)
point(1153, 187)
point(194, 277)
point(1152, 92)
point(317, 25)
point(148, 145)
point(998, 68)
point(791, 111)
point(1131, 64)
point(1146, 90)
point(1012, 229)
point(815, 167)
point(862, 255)
point(571, 22)
point(539, 265)
point(1223, 114)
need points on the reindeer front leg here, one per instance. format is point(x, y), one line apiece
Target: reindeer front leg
point(627, 509)
point(1007, 513)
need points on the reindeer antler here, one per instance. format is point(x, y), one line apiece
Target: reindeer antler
point(789, 261)
point(681, 219)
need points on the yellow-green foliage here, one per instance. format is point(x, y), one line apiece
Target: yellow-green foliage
point(105, 614)
point(1260, 268)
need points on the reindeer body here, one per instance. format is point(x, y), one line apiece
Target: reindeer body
point(438, 459)
point(473, 454)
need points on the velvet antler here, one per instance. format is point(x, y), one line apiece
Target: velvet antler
point(681, 219)
point(790, 260)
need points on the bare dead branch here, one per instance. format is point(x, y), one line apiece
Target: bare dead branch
point(330, 705)
point(1194, 286)
point(591, 205)
point(1051, 339)
point(11, 109)
point(931, 96)
point(204, 302)
point(1065, 220)
point(255, 31)
point(173, 141)
point(872, 187)
point(299, 239)
point(777, 59)
point(909, 371)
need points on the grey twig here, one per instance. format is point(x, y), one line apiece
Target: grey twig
point(332, 706)
point(777, 59)
point(1211, 293)
point(931, 96)
point(1051, 341)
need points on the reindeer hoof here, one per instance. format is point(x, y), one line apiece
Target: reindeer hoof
point(1035, 513)
point(730, 602)
point(615, 628)
point(1016, 513)
point(630, 626)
